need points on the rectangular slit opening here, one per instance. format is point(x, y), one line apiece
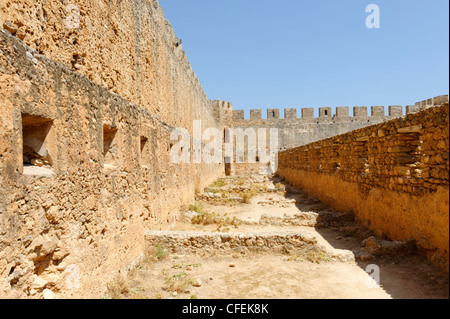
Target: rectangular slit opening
point(110, 147)
point(144, 150)
point(38, 146)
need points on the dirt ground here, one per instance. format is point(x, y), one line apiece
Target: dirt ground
point(273, 276)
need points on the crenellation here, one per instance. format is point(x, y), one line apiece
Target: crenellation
point(255, 115)
point(238, 115)
point(439, 100)
point(222, 112)
point(395, 110)
point(342, 115)
point(442, 99)
point(412, 109)
point(360, 111)
point(325, 112)
point(273, 114)
point(307, 113)
point(377, 111)
point(342, 111)
point(290, 113)
point(433, 102)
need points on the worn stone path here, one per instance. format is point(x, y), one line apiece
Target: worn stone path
point(251, 237)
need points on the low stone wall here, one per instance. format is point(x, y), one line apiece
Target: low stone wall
point(288, 242)
point(393, 176)
point(246, 169)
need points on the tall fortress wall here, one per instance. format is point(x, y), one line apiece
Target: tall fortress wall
point(94, 89)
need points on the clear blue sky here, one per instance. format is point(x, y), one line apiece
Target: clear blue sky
point(314, 53)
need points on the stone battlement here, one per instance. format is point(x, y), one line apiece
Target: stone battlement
point(342, 113)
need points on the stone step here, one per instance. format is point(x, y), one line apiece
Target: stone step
point(306, 219)
point(298, 243)
point(309, 219)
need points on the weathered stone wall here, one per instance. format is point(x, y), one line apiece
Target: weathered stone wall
point(394, 176)
point(110, 178)
point(126, 46)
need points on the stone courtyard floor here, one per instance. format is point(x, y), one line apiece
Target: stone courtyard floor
point(255, 237)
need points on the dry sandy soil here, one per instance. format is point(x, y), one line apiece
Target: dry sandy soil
point(165, 275)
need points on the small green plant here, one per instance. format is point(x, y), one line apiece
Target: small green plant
point(152, 254)
point(279, 185)
point(317, 258)
point(219, 183)
point(161, 252)
point(246, 197)
point(197, 207)
point(249, 194)
point(179, 282)
point(206, 218)
point(194, 297)
point(222, 229)
point(158, 297)
point(214, 190)
point(177, 266)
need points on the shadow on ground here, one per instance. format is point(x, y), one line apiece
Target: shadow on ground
point(404, 275)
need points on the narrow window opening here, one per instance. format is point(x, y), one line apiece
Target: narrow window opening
point(110, 147)
point(144, 150)
point(38, 145)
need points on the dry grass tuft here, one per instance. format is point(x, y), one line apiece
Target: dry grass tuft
point(179, 282)
point(118, 288)
point(219, 183)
